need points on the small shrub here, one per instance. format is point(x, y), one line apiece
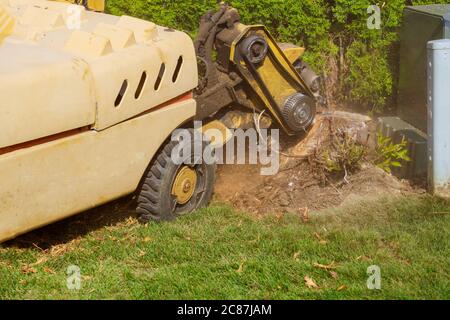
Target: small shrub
point(345, 155)
point(389, 154)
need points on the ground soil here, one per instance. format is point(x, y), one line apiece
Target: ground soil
point(298, 187)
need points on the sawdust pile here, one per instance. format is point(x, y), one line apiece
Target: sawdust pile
point(301, 185)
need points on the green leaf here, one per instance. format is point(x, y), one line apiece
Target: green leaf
point(396, 164)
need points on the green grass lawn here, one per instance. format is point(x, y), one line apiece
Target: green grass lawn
point(221, 254)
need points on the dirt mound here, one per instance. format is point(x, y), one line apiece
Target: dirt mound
point(298, 186)
point(297, 189)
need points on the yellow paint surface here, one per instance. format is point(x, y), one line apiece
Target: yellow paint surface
point(49, 182)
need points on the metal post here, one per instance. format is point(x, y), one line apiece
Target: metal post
point(439, 117)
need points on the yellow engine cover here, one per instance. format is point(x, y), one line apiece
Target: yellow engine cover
point(63, 67)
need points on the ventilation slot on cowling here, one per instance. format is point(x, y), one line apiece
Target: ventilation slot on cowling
point(162, 70)
point(177, 69)
point(141, 85)
point(121, 94)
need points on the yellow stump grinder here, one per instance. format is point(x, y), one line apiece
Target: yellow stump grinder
point(244, 67)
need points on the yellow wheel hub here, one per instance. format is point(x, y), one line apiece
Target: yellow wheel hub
point(184, 185)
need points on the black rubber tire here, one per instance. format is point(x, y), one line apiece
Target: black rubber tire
point(155, 199)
